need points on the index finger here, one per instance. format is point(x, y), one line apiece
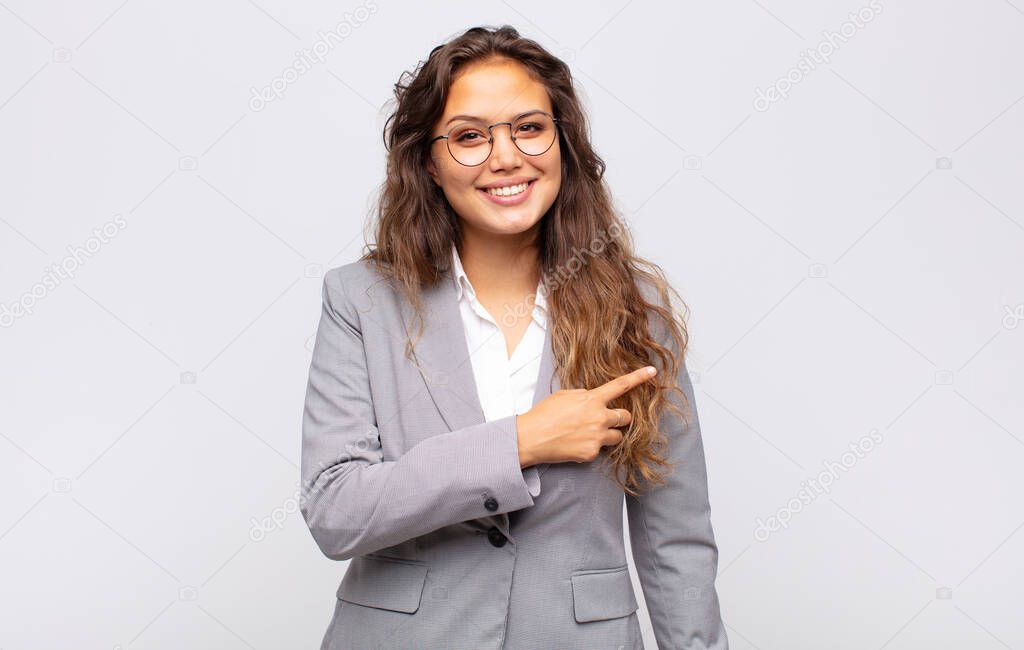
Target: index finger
point(620, 385)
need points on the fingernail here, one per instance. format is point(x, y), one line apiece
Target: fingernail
point(651, 370)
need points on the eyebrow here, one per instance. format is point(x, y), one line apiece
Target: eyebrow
point(474, 118)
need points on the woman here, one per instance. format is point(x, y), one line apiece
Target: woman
point(441, 453)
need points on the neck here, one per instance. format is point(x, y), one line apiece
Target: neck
point(501, 265)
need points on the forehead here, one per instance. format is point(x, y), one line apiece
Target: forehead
point(495, 90)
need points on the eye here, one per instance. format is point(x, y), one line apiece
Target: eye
point(469, 137)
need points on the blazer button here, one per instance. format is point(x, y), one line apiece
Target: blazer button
point(491, 504)
point(495, 537)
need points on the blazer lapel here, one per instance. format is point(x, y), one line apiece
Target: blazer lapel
point(444, 356)
point(445, 363)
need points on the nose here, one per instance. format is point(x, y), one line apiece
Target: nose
point(504, 152)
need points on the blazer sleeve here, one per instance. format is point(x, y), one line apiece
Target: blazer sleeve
point(673, 544)
point(353, 501)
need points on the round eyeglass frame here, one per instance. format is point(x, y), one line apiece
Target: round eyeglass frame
point(490, 140)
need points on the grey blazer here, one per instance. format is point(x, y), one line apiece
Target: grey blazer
point(402, 476)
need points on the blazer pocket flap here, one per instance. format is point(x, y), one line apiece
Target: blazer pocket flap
point(385, 583)
point(602, 593)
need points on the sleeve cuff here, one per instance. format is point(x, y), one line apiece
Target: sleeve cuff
point(530, 474)
point(532, 478)
point(513, 492)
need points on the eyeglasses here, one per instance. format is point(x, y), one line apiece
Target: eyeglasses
point(470, 143)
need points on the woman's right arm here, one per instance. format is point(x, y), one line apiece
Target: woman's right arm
point(353, 501)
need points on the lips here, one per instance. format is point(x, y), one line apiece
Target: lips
point(514, 199)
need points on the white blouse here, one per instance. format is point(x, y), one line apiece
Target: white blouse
point(505, 385)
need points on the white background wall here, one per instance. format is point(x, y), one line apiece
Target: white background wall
point(852, 255)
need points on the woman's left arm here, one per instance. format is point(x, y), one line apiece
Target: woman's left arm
point(673, 543)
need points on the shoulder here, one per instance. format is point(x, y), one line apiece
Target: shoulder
point(652, 294)
point(359, 272)
point(355, 278)
point(663, 310)
point(357, 287)
point(648, 290)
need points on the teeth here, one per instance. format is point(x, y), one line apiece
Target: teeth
point(509, 190)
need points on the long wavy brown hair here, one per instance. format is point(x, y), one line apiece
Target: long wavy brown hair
point(599, 319)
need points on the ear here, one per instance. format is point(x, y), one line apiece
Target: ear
point(432, 170)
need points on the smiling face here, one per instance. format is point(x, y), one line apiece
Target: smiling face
point(496, 91)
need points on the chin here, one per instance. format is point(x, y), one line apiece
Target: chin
point(508, 226)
